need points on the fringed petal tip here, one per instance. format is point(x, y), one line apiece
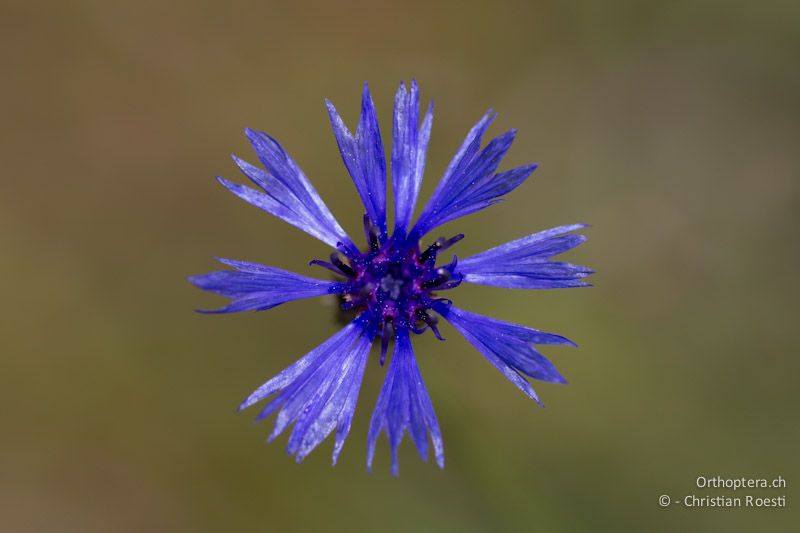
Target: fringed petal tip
point(201, 282)
point(284, 191)
point(471, 182)
point(364, 157)
point(220, 311)
point(525, 263)
point(409, 148)
point(254, 287)
point(508, 347)
point(404, 406)
point(196, 280)
point(318, 393)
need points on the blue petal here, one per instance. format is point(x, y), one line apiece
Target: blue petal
point(319, 392)
point(333, 405)
point(470, 182)
point(364, 158)
point(277, 189)
point(507, 346)
point(404, 405)
point(287, 193)
point(257, 287)
point(524, 263)
point(409, 146)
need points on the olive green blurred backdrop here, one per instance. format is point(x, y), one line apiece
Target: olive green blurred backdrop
point(671, 127)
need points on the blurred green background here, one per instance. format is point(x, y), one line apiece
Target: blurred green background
point(671, 127)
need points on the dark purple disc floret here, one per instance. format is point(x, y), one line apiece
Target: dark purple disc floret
point(393, 282)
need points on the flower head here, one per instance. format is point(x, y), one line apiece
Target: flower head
point(394, 285)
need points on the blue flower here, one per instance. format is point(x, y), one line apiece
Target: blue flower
point(393, 285)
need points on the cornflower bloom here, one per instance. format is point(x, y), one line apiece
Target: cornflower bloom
point(394, 286)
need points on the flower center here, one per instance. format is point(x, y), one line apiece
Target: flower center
point(393, 281)
point(391, 287)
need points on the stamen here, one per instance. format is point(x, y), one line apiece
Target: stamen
point(372, 233)
point(324, 264)
point(451, 241)
point(452, 284)
point(452, 266)
point(439, 245)
point(432, 322)
point(442, 277)
point(347, 251)
point(430, 252)
point(418, 330)
point(341, 265)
